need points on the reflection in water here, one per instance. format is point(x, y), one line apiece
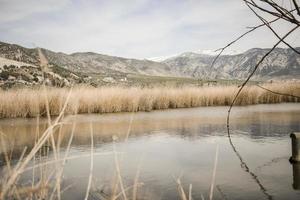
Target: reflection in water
point(221, 192)
point(175, 142)
point(269, 163)
point(296, 176)
point(189, 123)
point(245, 167)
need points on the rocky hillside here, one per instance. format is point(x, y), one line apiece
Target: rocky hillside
point(20, 74)
point(93, 62)
point(87, 62)
point(18, 53)
point(281, 63)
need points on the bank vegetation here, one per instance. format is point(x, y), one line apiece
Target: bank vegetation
point(34, 102)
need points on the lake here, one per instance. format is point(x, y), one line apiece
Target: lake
point(156, 148)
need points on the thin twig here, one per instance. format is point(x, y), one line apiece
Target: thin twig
point(221, 50)
point(253, 71)
point(278, 93)
point(296, 6)
point(245, 167)
point(268, 25)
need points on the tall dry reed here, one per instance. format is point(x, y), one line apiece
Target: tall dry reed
point(31, 102)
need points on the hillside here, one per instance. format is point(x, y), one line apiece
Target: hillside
point(280, 64)
point(15, 74)
point(87, 62)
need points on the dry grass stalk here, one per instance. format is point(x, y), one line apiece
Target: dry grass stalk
point(181, 190)
point(136, 183)
point(63, 160)
point(214, 174)
point(190, 192)
point(102, 100)
point(118, 170)
point(24, 162)
point(92, 164)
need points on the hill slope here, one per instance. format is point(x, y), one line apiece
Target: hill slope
point(281, 63)
point(87, 62)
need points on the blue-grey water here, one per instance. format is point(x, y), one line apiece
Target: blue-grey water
point(162, 146)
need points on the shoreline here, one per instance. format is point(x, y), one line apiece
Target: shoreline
point(66, 115)
point(30, 103)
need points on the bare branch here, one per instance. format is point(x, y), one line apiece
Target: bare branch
point(245, 167)
point(280, 9)
point(234, 41)
point(254, 70)
point(240, 37)
point(267, 11)
point(278, 93)
point(296, 7)
point(274, 32)
point(281, 12)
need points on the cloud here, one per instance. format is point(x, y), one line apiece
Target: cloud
point(12, 10)
point(131, 28)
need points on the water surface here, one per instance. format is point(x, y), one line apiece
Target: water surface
point(161, 146)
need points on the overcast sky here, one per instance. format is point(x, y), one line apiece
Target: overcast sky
point(128, 28)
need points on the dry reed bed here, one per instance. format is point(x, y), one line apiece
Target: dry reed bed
point(32, 102)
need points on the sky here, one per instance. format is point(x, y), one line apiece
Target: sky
point(140, 29)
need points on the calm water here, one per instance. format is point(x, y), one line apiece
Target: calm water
point(165, 145)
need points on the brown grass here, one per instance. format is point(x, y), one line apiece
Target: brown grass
point(32, 102)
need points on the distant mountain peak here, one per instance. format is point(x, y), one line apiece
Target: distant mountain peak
point(195, 54)
point(281, 63)
point(232, 65)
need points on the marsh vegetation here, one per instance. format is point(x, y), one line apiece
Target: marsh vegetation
point(33, 102)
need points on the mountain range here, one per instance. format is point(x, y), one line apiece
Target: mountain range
point(280, 64)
